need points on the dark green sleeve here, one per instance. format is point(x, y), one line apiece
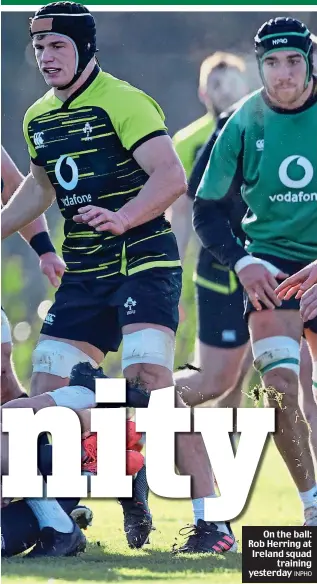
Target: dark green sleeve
point(218, 194)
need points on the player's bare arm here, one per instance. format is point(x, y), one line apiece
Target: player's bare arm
point(36, 233)
point(180, 217)
point(299, 283)
point(166, 183)
point(31, 199)
point(12, 178)
point(10, 175)
point(308, 304)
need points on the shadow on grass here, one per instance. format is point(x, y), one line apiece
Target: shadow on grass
point(97, 564)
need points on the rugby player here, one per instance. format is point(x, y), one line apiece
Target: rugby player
point(38, 520)
point(20, 526)
point(221, 82)
point(303, 284)
point(36, 234)
point(220, 349)
point(232, 312)
point(271, 135)
point(82, 376)
point(96, 139)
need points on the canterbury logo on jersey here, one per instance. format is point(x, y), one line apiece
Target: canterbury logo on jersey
point(38, 140)
point(290, 165)
point(49, 319)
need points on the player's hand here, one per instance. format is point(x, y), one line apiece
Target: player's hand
point(308, 304)
point(298, 283)
point(52, 266)
point(260, 285)
point(101, 219)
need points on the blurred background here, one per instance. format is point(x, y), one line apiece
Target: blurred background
point(158, 52)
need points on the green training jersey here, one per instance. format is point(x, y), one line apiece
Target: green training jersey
point(270, 156)
point(86, 146)
point(189, 140)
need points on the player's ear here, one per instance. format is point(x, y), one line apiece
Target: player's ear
point(201, 95)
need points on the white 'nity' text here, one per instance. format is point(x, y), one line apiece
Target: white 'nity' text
point(160, 421)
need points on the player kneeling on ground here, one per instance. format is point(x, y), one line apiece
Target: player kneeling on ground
point(33, 519)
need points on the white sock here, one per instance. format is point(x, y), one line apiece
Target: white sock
point(309, 498)
point(199, 513)
point(49, 513)
point(199, 509)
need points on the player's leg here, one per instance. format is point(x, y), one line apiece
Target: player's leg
point(75, 396)
point(48, 512)
point(59, 535)
point(233, 397)
point(275, 337)
point(75, 331)
point(310, 329)
point(10, 386)
point(83, 313)
point(63, 534)
point(63, 396)
point(82, 379)
point(53, 360)
point(20, 528)
point(311, 337)
point(307, 401)
point(222, 337)
point(191, 455)
point(68, 336)
point(137, 516)
point(148, 357)
point(220, 374)
point(62, 345)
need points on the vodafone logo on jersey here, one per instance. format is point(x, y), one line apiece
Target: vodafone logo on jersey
point(300, 161)
point(67, 175)
point(71, 184)
point(306, 175)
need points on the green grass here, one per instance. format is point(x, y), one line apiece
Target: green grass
point(108, 559)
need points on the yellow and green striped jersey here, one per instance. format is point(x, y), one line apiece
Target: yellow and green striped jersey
point(86, 146)
point(189, 140)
